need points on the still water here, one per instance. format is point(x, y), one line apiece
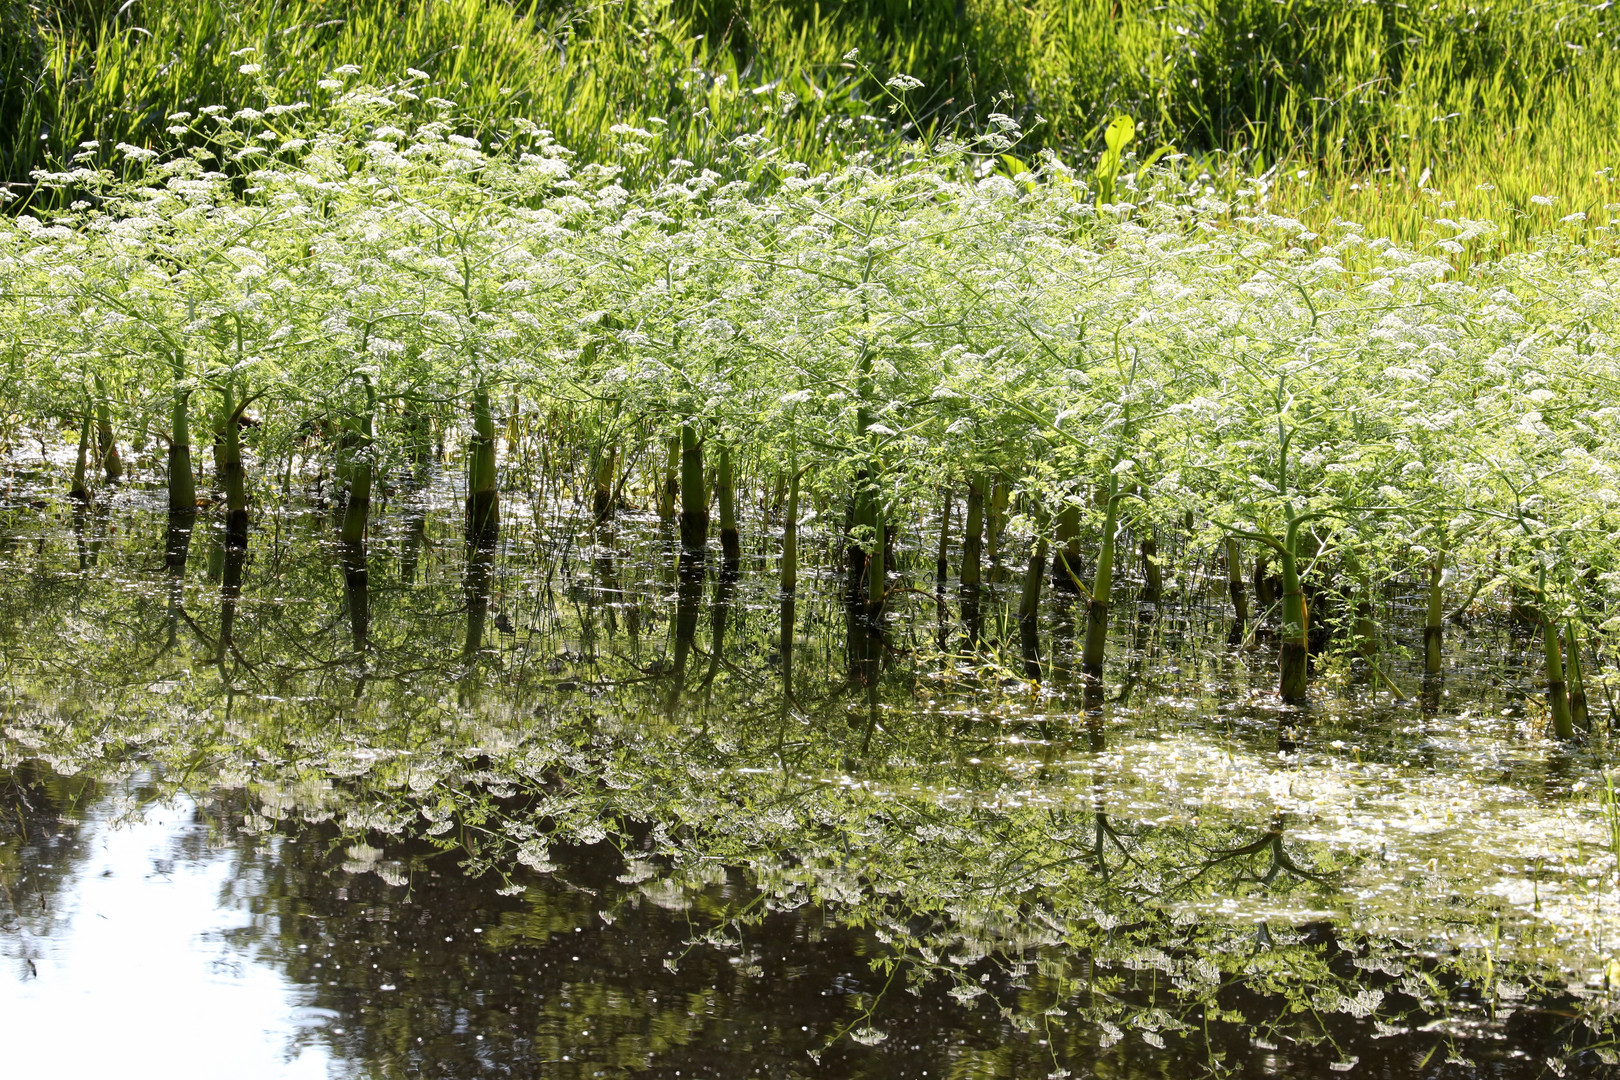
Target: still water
point(548, 808)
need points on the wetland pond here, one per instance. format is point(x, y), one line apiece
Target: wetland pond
point(545, 805)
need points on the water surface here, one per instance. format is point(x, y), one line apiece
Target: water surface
point(546, 807)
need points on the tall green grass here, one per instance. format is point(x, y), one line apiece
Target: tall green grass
point(109, 74)
point(1390, 110)
point(1380, 111)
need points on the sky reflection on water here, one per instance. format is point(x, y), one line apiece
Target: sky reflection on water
point(137, 974)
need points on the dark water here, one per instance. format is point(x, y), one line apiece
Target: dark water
point(420, 809)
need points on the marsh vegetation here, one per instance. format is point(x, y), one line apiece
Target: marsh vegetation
point(951, 611)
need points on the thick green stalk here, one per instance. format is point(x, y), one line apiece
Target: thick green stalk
point(80, 490)
point(669, 484)
point(1091, 658)
point(358, 505)
point(996, 522)
point(112, 463)
point(483, 524)
point(1434, 620)
point(1234, 587)
point(973, 537)
point(790, 584)
point(1265, 590)
point(694, 493)
point(1066, 559)
point(1029, 604)
point(1364, 630)
point(602, 498)
point(1295, 654)
point(182, 485)
point(228, 465)
point(1152, 572)
point(483, 499)
point(790, 539)
point(1577, 681)
point(876, 570)
point(1557, 688)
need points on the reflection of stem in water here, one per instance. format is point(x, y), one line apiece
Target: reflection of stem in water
point(1279, 861)
point(724, 589)
point(867, 644)
point(789, 586)
point(414, 535)
point(356, 582)
point(688, 598)
point(81, 513)
point(1429, 696)
point(1133, 669)
point(607, 579)
point(1105, 833)
point(98, 530)
point(1063, 627)
point(475, 586)
point(230, 591)
point(972, 556)
point(176, 548)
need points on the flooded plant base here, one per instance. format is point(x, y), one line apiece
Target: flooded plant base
point(427, 806)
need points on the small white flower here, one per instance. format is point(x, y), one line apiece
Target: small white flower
point(251, 69)
point(903, 83)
